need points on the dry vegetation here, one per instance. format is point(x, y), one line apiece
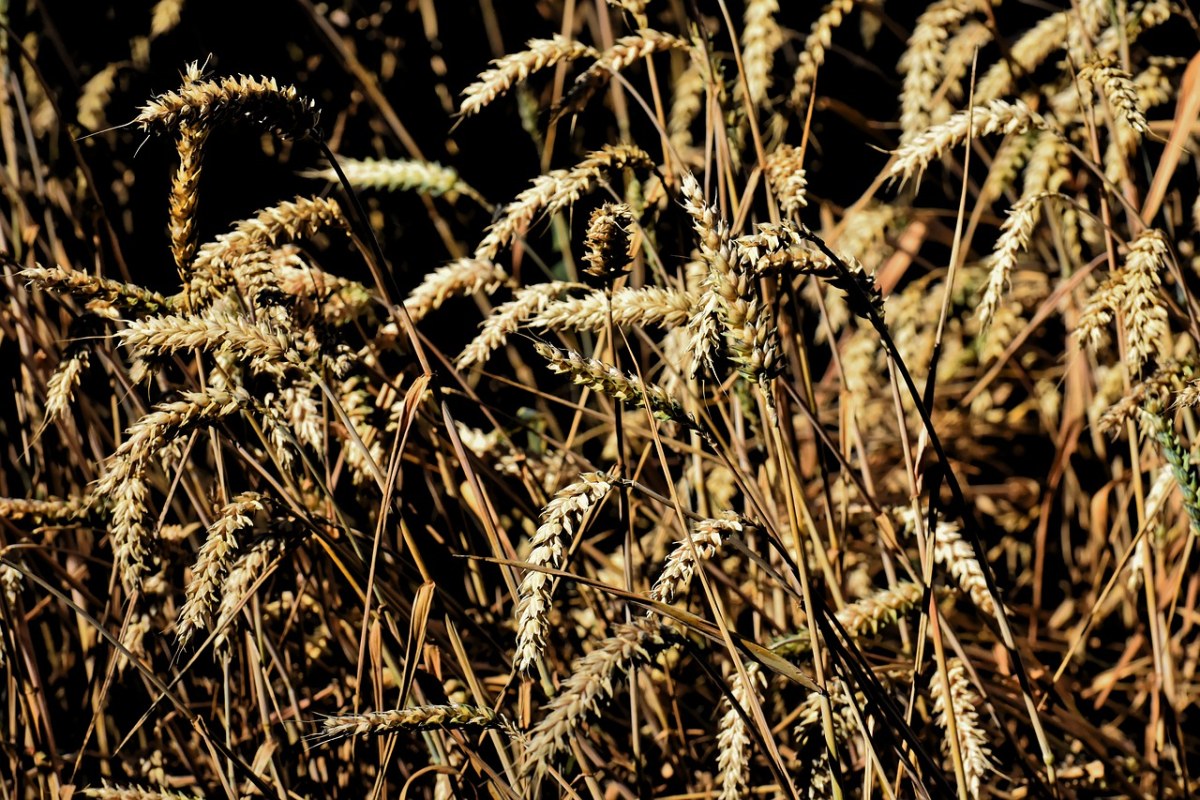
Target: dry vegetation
point(767, 474)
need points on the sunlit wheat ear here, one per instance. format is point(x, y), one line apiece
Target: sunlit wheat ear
point(133, 793)
point(750, 336)
point(1092, 326)
point(508, 317)
point(249, 567)
point(560, 518)
point(126, 297)
point(454, 716)
point(263, 346)
point(49, 510)
point(462, 277)
point(1015, 235)
point(123, 484)
point(958, 557)
point(1031, 49)
point(999, 116)
point(812, 57)
point(626, 51)
point(401, 175)
point(60, 389)
point(761, 37)
point(261, 102)
point(555, 191)
point(788, 180)
point(185, 193)
point(862, 618)
point(216, 554)
point(591, 681)
point(609, 241)
point(961, 700)
point(515, 68)
point(706, 539)
point(687, 101)
point(608, 380)
point(1143, 309)
point(733, 735)
point(651, 305)
point(1118, 88)
point(922, 62)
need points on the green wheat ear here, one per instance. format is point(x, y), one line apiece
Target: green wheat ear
point(1182, 465)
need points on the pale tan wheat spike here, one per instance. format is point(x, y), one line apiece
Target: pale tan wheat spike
point(958, 557)
point(1015, 235)
point(751, 338)
point(1118, 88)
point(998, 116)
point(94, 97)
point(788, 180)
point(922, 64)
point(401, 175)
point(1092, 326)
point(1144, 311)
point(687, 100)
point(555, 191)
point(453, 716)
point(218, 551)
point(1027, 53)
point(301, 218)
point(625, 52)
point(133, 793)
point(185, 193)
point(462, 277)
point(861, 618)
point(707, 537)
point(508, 317)
point(515, 68)
point(266, 347)
point(261, 102)
point(733, 735)
point(608, 380)
point(338, 300)
point(60, 389)
point(591, 681)
point(165, 16)
point(123, 484)
point(963, 702)
point(651, 305)
point(127, 297)
point(812, 57)
point(609, 241)
point(548, 549)
point(16, 509)
point(249, 567)
point(761, 37)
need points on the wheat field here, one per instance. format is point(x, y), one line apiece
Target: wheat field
point(600, 399)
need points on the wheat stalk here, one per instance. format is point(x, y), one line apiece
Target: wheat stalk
point(514, 68)
point(218, 551)
point(960, 699)
point(548, 549)
point(555, 191)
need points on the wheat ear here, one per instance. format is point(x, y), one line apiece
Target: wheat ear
point(548, 549)
point(259, 101)
point(650, 305)
point(133, 793)
point(1143, 310)
point(401, 175)
point(625, 52)
point(861, 618)
point(508, 317)
point(785, 173)
point(812, 57)
point(707, 537)
point(51, 509)
point(249, 567)
point(185, 193)
point(218, 551)
point(609, 241)
point(461, 277)
point(733, 735)
point(591, 682)
point(126, 297)
point(761, 37)
point(515, 68)
point(453, 716)
point(555, 191)
point(922, 62)
point(961, 700)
